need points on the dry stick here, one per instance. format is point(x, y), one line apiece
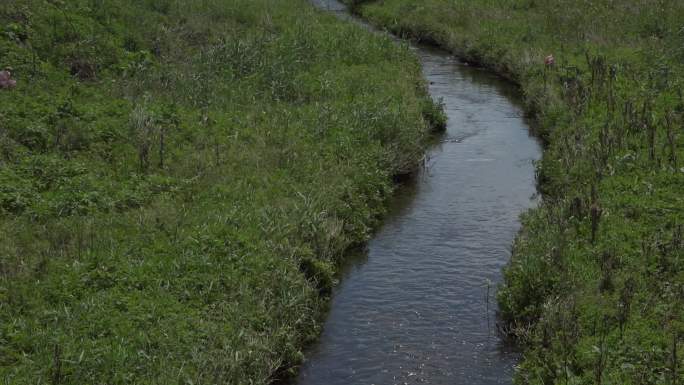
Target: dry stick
point(143, 154)
point(569, 336)
point(595, 214)
point(545, 76)
point(645, 111)
point(604, 142)
point(674, 358)
point(611, 93)
point(34, 60)
point(91, 246)
point(162, 131)
point(57, 366)
point(650, 127)
point(590, 63)
point(602, 358)
point(672, 139)
point(217, 150)
point(626, 295)
point(79, 239)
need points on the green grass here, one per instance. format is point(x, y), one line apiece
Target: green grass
point(178, 180)
point(595, 288)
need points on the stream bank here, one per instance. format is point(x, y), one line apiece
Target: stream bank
point(418, 306)
point(595, 288)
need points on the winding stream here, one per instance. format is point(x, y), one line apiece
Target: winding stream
point(419, 306)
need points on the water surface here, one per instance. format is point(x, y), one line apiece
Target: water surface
point(419, 307)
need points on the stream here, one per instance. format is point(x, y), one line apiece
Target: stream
point(419, 306)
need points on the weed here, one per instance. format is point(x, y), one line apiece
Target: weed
point(178, 180)
point(609, 110)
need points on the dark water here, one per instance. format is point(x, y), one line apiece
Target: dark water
point(414, 309)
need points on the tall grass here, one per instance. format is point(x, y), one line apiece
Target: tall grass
point(178, 180)
point(595, 288)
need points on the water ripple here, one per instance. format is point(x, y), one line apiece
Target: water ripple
point(416, 309)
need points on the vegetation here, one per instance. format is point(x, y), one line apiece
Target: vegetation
point(595, 288)
point(179, 178)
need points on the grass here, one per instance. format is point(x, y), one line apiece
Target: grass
point(595, 288)
point(178, 180)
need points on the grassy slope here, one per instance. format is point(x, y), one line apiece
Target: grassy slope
point(596, 284)
point(179, 178)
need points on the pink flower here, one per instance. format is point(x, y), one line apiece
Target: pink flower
point(6, 80)
point(549, 61)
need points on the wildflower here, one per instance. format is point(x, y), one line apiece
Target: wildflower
point(6, 80)
point(550, 61)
